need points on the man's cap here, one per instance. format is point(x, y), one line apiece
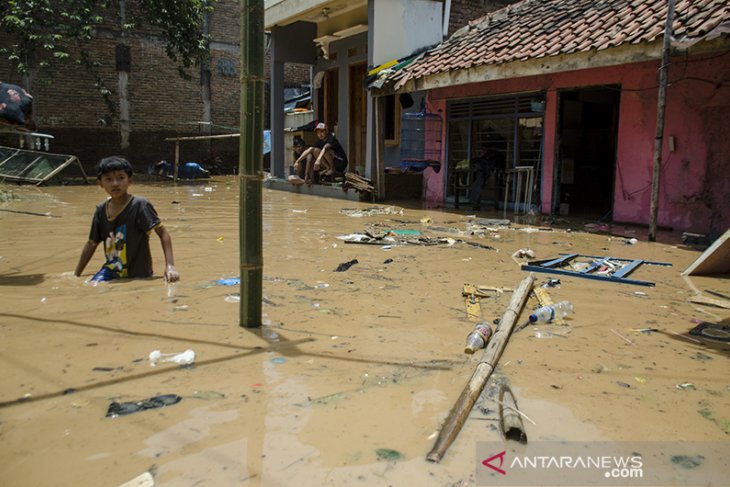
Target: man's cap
point(321, 126)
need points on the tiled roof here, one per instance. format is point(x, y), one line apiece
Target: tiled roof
point(541, 28)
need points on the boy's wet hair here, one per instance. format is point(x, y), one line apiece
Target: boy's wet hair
point(113, 163)
point(298, 142)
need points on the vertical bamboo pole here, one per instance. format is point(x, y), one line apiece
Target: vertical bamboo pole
point(251, 161)
point(659, 139)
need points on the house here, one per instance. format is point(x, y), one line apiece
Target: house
point(343, 41)
point(567, 90)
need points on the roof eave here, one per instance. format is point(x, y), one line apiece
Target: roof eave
point(624, 54)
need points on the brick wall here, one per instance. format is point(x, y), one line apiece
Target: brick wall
point(161, 103)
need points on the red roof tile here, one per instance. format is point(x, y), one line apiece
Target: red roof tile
point(541, 28)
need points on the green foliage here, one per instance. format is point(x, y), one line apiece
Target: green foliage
point(45, 34)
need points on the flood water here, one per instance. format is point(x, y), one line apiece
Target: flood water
point(346, 365)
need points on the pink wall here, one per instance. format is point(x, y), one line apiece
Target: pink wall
point(695, 185)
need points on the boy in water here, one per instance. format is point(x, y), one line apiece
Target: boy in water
point(123, 223)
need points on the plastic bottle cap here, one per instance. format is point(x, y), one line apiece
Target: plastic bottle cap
point(533, 318)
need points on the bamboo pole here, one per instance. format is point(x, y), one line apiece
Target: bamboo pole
point(509, 416)
point(660, 109)
point(485, 367)
point(251, 161)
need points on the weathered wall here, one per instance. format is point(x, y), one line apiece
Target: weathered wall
point(694, 183)
point(405, 26)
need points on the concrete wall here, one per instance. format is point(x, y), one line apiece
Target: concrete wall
point(404, 26)
point(695, 187)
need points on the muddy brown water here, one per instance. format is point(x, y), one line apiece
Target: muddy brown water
point(372, 361)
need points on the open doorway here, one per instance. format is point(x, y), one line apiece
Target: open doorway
point(587, 132)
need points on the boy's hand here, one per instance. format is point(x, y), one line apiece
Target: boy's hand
point(171, 274)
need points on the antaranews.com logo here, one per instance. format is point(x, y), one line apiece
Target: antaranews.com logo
point(602, 463)
point(612, 466)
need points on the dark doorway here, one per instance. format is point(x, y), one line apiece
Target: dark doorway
point(587, 131)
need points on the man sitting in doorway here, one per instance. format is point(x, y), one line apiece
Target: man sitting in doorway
point(328, 159)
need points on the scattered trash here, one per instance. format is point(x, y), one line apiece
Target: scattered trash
point(622, 337)
point(278, 360)
point(404, 232)
point(123, 408)
point(207, 395)
point(232, 281)
point(346, 265)
point(623, 384)
point(426, 220)
point(686, 386)
point(478, 338)
point(388, 454)
point(687, 462)
point(523, 254)
point(646, 331)
point(185, 358)
point(362, 238)
point(220, 239)
point(321, 285)
point(375, 210)
point(713, 331)
point(387, 261)
point(547, 334)
point(631, 241)
point(299, 211)
point(640, 379)
point(701, 356)
point(144, 480)
point(546, 314)
point(550, 283)
point(592, 267)
point(232, 298)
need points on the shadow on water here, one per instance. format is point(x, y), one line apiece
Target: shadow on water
point(283, 345)
point(27, 280)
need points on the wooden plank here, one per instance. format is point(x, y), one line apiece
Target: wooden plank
point(719, 303)
point(543, 297)
point(471, 300)
point(714, 260)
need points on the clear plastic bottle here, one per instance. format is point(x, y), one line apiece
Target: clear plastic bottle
point(478, 338)
point(546, 314)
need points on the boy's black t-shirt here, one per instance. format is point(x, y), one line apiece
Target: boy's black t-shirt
point(126, 237)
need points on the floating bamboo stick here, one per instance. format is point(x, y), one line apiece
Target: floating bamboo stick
point(484, 369)
point(509, 416)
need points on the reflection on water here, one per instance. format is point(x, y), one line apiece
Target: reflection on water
point(371, 360)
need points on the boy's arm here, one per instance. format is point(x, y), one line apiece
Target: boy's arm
point(86, 254)
point(171, 273)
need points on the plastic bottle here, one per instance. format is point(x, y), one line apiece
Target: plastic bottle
point(185, 358)
point(547, 314)
point(478, 338)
